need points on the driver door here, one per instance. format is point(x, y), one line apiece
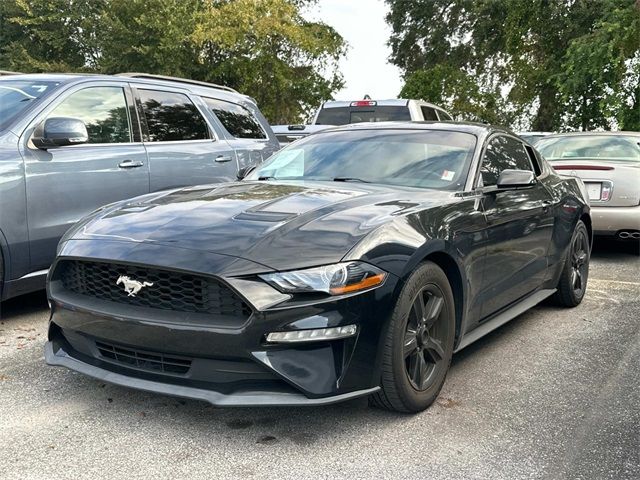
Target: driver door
point(519, 227)
point(64, 184)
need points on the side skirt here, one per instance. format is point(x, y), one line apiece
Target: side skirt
point(31, 282)
point(502, 318)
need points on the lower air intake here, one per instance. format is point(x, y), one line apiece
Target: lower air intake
point(151, 361)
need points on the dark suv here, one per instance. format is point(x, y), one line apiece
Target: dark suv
point(72, 143)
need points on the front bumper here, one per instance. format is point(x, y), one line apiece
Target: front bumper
point(610, 220)
point(243, 398)
point(229, 365)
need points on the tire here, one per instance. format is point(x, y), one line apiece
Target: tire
point(410, 385)
point(572, 285)
point(1, 276)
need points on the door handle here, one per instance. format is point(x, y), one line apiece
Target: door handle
point(223, 158)
point(545, 205)
point(130, 164)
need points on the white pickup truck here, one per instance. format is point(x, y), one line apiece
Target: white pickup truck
point(334, 113)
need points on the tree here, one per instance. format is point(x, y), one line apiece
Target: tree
point(540, 64)
point(271, 52)
point(264, 48)
point(49, 35)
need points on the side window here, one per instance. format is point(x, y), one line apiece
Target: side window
point(172, 116)
point(238, 120)
point(102, 109)
point(429, 113)
point(534, 160)
point(444, 115)
point(503, 153)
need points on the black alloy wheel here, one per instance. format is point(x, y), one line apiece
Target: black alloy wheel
point(423, 341)
point(572, 285)
point(579, 263)
point(419, 342)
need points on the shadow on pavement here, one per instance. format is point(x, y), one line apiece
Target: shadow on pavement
point(23, 305)
point(609, 248)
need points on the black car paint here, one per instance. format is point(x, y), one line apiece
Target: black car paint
point(496, 246)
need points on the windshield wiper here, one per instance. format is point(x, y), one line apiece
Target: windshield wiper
point(349, 179)
point(266, 178)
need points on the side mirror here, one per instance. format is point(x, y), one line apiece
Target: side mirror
point(244, 171)
point(60, 132)
point(516, 178)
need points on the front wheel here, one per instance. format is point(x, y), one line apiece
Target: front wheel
point(575, 273)
point(1, 276)
point(419, 343)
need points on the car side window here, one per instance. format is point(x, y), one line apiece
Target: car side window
point(103, 111)
point(444, 115)
point(429, 113)
point(172, 117)
point(238, 120)
point(502, 153)
point(535, 161)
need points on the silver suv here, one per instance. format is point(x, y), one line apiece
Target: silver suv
point(72, 143)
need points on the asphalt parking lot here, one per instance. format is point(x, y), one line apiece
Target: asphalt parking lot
point(553, 394)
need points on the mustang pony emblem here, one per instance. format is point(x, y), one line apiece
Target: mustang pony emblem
point(132, 287)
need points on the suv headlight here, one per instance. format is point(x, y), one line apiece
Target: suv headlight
point(336, 279)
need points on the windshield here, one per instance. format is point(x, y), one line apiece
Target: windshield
point(611, 147)
point(15, 95)
point(421, 158)
point(531, 138)
point(345, 115)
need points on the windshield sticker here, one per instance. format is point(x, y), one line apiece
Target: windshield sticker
point(448, 175)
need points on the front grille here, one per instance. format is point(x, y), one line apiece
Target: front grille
point(173, 291)
point(156, 362)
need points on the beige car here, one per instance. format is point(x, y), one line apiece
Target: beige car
point(609, 165)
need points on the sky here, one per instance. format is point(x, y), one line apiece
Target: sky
point(365, 68)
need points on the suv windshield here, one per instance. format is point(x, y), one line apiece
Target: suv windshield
point(345, 115)
point(420, 158)
point(15, 95)
point(611, 147)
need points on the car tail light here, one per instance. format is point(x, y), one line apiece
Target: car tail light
point(364, 103)
point(605, 194)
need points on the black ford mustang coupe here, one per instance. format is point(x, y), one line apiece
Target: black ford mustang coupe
point(354, 262)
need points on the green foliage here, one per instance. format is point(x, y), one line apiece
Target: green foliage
point(271, 51)
point(539, 64)
point(264, 48)
point(48, 35)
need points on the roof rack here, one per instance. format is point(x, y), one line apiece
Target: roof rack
point(175, 79)
point(7, 72)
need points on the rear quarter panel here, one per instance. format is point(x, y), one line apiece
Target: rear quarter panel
point(570, 204)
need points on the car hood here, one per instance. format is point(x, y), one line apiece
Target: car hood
point(277, 224)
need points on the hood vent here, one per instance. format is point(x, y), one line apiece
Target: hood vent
point(262, 216)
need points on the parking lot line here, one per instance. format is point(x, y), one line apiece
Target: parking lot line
point(613, 281)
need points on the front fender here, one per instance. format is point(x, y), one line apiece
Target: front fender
point(453, 236)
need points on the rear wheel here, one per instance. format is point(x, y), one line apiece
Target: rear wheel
point(419, 343)
point(575, 273)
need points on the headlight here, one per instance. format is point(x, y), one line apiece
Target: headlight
point(336, 279)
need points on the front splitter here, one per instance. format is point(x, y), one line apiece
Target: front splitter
point(240, 399)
